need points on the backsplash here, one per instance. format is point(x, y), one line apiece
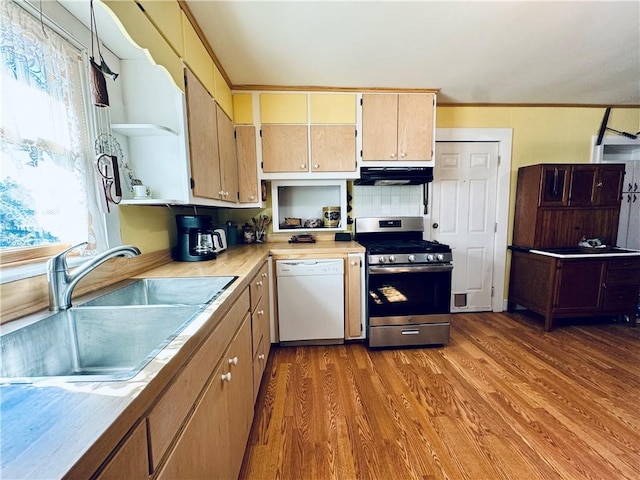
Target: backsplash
point(372, 201)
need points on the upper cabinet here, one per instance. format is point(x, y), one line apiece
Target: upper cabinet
point(308, 135)
point(167, 18)
point(212, 149)
point(556, 205)
point(398, 127)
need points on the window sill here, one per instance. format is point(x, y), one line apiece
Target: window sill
point(12, 274)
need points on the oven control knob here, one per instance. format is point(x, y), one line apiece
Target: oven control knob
point(430, 257)
point(382, 259)
point(411, 258)
point(440, 257)
point(392, 259)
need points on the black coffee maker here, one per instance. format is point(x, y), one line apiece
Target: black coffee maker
point(195, 238)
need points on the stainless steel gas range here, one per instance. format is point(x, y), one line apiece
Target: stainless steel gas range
point(408, 283)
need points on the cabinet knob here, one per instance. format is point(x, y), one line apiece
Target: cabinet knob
point(353, 263)
point(260, 312)
point(263, 275)
point(402, 155)
point(393, 155)
point(252, 197)
point(226, 377)
point(316, 166)
point(259, 283)
point(261, 356)
point(599, 185)
point(233, 361)
point(302, 166)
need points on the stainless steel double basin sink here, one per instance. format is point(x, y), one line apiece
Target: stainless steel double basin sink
point(111, 337)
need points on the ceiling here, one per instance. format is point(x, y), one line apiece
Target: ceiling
point(514, 52)
point(475, 52)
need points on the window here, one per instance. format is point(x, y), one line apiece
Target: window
point(47, 186)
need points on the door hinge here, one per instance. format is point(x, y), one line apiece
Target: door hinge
point(262, 165)
point(492, 291)
point(192, 182)
point(361, 102)
point(360, 153)
point(495, 227)
point(234, 134)
point(260, 133)
point(499, 160)
point(356, 132)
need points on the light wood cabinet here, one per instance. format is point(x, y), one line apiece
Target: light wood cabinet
point(212, 146)
point(213, 441)
point(260, 324)
point(398, 127)
point(130, 460)
point(203, 139)
point(227, 163)
point(354, 284)
point(248, 185)
point(333, 148)
point(285, 148)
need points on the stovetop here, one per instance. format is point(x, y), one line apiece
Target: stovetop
point(376, 247)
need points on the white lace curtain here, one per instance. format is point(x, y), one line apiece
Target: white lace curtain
point(47, 174)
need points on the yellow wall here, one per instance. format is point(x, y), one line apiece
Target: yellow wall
point(148, 228)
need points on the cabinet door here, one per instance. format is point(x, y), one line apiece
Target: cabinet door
point(285, 148)
point(240, 395)
point(333, 148)
point(415, 127)
point(203, 138)
point(583, 181)
point(579, 286)
point(131, 460)
point(379, 127)
point(227, 157)
point(609, 185)
point(203, 450)
point(247, 164)
point(554, 190)
point(354, 296)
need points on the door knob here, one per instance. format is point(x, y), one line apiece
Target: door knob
point(435, 225)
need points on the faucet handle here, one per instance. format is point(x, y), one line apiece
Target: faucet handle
point(58, 263)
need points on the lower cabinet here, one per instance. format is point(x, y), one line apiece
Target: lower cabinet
point(260, 325)
point(354, 301)
point(130, 460)
point(574, 287)
point(212, 443)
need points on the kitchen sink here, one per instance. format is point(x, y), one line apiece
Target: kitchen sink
point(109, 338)
point(165, 291)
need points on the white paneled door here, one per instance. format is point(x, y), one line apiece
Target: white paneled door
point(463, 215)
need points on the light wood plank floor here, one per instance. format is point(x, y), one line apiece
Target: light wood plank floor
point(503, 400)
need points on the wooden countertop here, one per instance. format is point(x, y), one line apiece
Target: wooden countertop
point(61, 429)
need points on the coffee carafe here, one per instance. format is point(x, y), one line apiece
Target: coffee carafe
point(195, 238)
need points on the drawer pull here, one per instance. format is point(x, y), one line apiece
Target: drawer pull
point(260, 312)
point(233, 361)
point(261, 356)
point(226, 377)
point(410, 332)
point(259, 283)
point(264, 275)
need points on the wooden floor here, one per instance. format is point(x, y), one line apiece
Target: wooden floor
point(503, 400)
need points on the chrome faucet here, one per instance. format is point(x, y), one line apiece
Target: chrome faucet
point(62, 282)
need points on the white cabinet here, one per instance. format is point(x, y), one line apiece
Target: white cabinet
point(304, 200)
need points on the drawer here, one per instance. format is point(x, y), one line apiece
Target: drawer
point(399, 335)
point(259, 285)
point(259, 317)
point(621, 298)
point(626, 276)
point(624, 263)
point(259, 362)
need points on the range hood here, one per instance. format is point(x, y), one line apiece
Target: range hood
point(394, 176)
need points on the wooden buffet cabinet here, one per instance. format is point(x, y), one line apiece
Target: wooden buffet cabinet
point(556, 206)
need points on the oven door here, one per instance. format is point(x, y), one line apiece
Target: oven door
point(411, 294)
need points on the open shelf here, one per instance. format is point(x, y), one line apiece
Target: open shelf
point(142, 130)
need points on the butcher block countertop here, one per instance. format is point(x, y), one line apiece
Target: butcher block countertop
point(59, 429)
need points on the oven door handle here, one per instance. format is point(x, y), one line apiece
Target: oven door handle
point(413, 269)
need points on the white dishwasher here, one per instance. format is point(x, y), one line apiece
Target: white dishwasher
point(311, 301)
